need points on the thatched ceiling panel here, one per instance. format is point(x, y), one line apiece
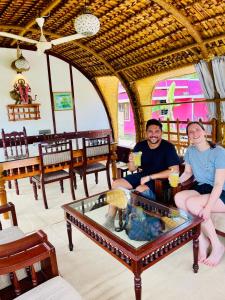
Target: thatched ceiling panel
point(137, 38)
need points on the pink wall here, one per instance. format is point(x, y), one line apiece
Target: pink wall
point(186, 90)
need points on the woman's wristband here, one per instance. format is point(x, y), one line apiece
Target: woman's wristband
point(149, 177)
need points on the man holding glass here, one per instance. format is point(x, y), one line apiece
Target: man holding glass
point(158, 159)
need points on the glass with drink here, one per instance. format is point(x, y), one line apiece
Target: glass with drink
point(174, 179)
point(137, 158)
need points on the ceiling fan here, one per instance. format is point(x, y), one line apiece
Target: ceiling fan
point(85, 25)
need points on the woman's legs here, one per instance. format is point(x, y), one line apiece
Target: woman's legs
point(181, 198)
point(194, 205)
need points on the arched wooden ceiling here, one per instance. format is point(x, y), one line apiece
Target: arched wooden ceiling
point(138, 38)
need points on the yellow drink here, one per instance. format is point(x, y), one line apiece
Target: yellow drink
point(174, 179)
point(137, 158)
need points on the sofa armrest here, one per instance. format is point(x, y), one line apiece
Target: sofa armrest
point(24, 253)
point(9, 207)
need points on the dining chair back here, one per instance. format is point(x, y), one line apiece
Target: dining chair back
point(54, 158)
point(93, 150)
point(15, 146)
point(15, 143)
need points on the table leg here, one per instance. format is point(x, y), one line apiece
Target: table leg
point(3, 197)
point(69, 232)
point(195, 252)
point(137, 286)
point(113, 162)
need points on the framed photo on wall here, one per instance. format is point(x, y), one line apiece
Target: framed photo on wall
point(63, 100)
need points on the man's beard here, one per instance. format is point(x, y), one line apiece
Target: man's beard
point(154, 140)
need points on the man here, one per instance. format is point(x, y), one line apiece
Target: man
point(158, 159)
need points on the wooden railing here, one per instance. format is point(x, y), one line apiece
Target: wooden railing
point(175, 132)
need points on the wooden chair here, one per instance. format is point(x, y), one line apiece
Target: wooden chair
point(94, 148)
point(54, 157)
point(29, 262)
point(15, 145)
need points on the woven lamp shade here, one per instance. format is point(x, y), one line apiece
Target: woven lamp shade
point(87, 24)
point(20, 64)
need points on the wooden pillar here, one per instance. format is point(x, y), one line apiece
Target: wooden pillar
point(3, 197)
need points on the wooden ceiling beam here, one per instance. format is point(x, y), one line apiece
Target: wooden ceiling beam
point(150, 60)
point(43, 13)
point(186, 23)
point(189, 47)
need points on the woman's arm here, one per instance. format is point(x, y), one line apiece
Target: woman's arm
point(187, 173)
point(160, 175)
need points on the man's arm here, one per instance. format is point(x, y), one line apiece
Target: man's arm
point(160, 175)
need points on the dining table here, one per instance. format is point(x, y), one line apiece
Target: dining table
point(17, 167)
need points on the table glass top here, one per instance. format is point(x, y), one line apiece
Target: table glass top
point(142, 220)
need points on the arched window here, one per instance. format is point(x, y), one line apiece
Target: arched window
point(186, 91)
point(126, 126)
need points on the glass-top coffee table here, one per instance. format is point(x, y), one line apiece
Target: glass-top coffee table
point(178, 228)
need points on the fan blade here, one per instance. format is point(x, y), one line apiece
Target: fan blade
point(17, 37)
point(68, 38)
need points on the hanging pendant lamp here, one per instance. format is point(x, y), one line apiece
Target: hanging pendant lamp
point(87, 24)
point(20, 64)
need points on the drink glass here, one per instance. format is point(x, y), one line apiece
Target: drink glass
point(174, 179)
point(137, 158)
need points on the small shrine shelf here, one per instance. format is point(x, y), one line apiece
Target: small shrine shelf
point(21, 112)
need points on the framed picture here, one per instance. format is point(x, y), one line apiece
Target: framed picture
point(63, 101)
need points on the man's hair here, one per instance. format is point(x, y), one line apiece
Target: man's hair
point(153, 122)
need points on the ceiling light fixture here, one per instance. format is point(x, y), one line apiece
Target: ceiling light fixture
point(87, 24)
point(20, 64)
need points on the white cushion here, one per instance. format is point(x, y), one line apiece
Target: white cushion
point(219, 221)
point(8, 235)
point(56, 288)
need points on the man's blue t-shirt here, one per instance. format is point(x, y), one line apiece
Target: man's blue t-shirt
point(205, 163)
point(158, 159)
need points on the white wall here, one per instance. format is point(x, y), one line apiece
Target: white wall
point(89, 108)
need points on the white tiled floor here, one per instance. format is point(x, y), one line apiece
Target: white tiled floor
point(97, 275)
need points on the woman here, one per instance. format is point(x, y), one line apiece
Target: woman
point(206, 162)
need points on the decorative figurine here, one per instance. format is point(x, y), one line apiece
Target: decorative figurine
point(21, 91)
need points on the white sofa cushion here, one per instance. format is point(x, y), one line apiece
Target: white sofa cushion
point(219, 221)
point(10, 234)
point(56, 288)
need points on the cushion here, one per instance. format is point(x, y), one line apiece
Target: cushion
point(8, 235)
point(91, 168)
point(219, 221)
point(56, 288)
point(53, 176)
